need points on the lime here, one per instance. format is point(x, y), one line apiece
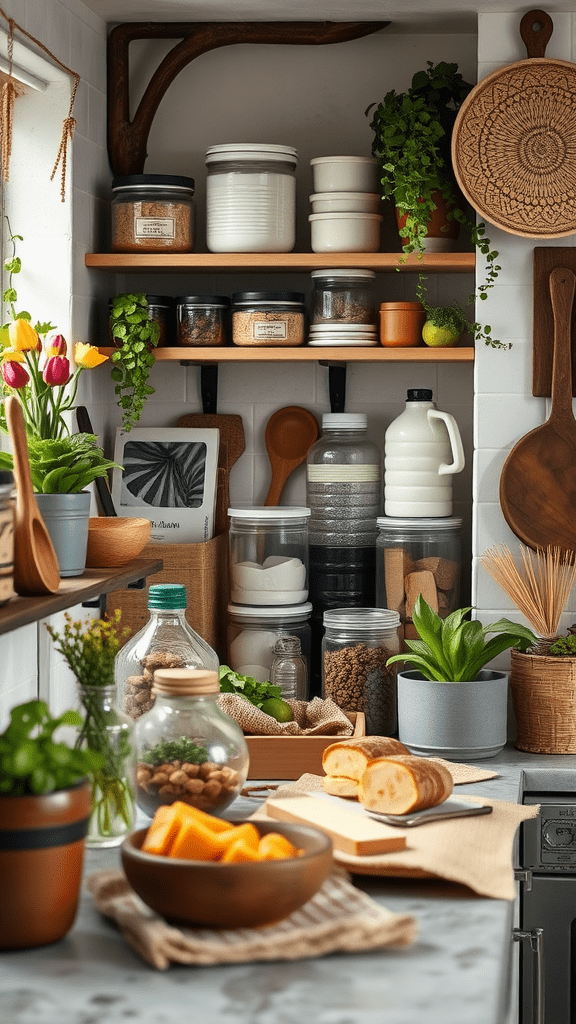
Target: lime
point(278, 709)
point(439, 337)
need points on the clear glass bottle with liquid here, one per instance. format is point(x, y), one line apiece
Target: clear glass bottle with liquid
point(166, 641)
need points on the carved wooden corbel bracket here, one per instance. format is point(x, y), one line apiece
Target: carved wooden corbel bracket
point(127, 140)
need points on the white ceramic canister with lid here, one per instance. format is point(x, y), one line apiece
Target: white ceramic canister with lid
point(422, 451)
point(251, 198)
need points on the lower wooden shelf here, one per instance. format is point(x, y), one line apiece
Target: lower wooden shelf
point(20, 611)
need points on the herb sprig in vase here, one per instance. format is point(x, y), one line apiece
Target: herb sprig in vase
point(89, 648)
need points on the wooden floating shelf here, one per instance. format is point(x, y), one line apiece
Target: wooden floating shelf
point(385, 262)
point(20, 611)
point(306, 354)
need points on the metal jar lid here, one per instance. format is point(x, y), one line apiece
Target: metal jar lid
point(141, 182)
point(249, 298)
point(202, 300)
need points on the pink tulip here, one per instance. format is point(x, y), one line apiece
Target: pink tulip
point(14, 374)
point(56, 371)
point(57, 347)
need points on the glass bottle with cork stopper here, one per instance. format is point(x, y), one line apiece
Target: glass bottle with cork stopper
point(187, 748)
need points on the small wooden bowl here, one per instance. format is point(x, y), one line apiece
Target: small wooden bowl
point(115, 540)
point(241, 895)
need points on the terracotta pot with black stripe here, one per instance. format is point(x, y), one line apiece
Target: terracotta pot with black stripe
point(42, 841)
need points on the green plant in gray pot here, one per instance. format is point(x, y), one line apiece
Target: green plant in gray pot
point(450, 705)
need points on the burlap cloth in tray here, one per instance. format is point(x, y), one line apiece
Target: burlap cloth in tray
point(339, 918)
point(311, 718)
point(475, 851)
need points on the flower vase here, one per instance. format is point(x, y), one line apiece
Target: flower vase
point(66, 519)
point(109, 731)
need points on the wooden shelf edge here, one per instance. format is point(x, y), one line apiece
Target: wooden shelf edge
point(258, 354)
point(445, 262)
point(21, 611)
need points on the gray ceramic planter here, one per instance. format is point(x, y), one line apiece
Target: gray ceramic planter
point(458, 721)
point(66, 519)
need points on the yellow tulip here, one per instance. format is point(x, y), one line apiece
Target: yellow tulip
point(11, 355)
point(22, 336)
point(87, 356)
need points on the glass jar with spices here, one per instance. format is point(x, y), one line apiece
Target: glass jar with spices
point(186, 747)
point(153, 213)
point(343, 297)
point(202, 319)
point(166, 641)
point(356, 646)
point(268, 318)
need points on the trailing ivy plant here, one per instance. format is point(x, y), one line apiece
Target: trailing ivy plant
point(453, 318)
point(135, 335)
point(412, 139)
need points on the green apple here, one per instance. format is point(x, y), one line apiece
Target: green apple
point(439, 337)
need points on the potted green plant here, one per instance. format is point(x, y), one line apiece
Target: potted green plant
point(450, 705)
point(445, 325)
point(135, 335)
point(412, 139)
point(44, 814)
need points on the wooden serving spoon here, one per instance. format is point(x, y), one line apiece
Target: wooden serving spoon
point(538, 481)
point(290, 433)
point(36, 569)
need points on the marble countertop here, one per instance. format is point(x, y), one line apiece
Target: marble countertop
point(457, 970)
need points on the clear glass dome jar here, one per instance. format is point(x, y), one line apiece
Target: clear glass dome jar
point(202, 319)
point(166, 641)
point(251, 198)
point(268, 555)
point(356, 646)
point(416, 556)
point(343, 297)
point(253, 632)
point(153, 213)
point(187, 748)
point(268, 318)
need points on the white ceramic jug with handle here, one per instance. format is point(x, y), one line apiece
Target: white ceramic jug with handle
point(422, 451)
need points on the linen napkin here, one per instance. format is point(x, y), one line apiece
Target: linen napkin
point(339, 918)
point(475, 851)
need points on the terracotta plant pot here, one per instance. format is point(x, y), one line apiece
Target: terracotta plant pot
point(441, 233)
point(401, 324)
point(42, 842)
point(544, 700)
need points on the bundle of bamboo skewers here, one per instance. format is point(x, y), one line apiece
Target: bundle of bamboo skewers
point(539, 587)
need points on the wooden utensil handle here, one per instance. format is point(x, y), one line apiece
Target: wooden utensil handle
point(17, 430)
point(536, 28)
point(562, 285)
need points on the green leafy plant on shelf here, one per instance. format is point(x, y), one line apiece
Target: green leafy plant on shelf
point(412, 139)
point(32, 761)
point(454, 649)
point(135, 335)
point(445, 325)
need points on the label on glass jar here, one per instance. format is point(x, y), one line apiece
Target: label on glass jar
point(269, 329)
point(154, 227)
point(342, 474)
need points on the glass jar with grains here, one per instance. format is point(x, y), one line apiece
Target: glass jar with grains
point(202, 319)
point(268, 318)
point(166, 641)
point(187, 748)
point(356, 646)
point(153, 213)
point(343, 297)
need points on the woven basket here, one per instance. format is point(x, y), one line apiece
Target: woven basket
point(544, 698)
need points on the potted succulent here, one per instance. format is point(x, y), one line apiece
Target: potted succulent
point(450, 705)
point(44, 814)
point(135, 335)
point(412, 139)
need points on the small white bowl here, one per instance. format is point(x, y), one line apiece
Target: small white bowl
point(345, 232)
point(345, 173)
point(346, 202)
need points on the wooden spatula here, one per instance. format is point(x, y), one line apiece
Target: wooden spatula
point(538, 481)
point(36, 569)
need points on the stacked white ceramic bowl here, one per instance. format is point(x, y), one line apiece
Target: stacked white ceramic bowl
point(340, 335)
point(345, 204)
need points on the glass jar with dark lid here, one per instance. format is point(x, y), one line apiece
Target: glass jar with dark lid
point(202, 319)
point(161, 309)
point(268, 318)
point(153, 213)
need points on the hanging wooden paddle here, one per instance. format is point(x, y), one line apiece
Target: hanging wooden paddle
point(538, 481)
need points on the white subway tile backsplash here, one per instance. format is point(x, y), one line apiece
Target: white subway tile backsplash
point(501, 420)
point(488, 464)
point(490, 528)
point(504, 371)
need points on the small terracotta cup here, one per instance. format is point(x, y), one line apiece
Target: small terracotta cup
point(401, 324)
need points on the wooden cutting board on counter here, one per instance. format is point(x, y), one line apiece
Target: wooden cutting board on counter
point(350, 831)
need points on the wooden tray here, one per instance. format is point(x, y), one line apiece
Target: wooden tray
point(289, 757)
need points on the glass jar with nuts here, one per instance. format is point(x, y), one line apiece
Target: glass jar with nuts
point(187, 748)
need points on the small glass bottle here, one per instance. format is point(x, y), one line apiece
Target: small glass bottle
point(109, 732)
point(288, 669)
point(187, 748)
point(166, 641)
point(356, 646)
